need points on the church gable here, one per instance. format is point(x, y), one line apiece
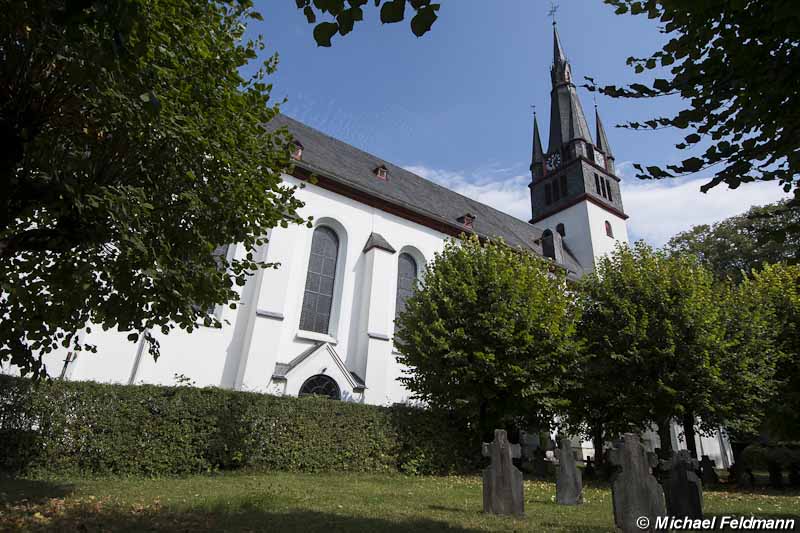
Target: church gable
point(319, 359)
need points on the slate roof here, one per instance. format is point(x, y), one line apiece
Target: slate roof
point(341, 162)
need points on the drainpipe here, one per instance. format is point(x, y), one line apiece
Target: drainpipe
point(138, 359)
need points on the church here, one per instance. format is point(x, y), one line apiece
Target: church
point(323, 321)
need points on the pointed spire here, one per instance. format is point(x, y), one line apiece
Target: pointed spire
point(567, 120)
point(558, 52)
point(538, 153)
point(601, 139)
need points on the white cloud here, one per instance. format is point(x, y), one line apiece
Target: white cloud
point(658, 209)
point(507, 194)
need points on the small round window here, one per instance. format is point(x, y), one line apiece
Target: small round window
point(321, 385)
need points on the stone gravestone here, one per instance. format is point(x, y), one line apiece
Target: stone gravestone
point(708, 472)
point(569, 485)
point(636, 496)
point(682, 488)
point(539, 463)
point(502, 481)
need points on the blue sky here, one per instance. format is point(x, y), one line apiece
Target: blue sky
point(454, 105)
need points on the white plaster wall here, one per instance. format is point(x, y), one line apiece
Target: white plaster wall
point(576, 227)
point(360, 280)
point(602, 244)
point(584, 225)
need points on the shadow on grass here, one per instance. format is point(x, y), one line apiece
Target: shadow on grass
point(13, 491)
point(447, 509)
point(90, 520)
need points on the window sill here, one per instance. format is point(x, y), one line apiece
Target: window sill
point(314, 336)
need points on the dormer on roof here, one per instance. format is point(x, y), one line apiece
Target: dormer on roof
point(467, 220)
point(297, 150)
point(382, 172)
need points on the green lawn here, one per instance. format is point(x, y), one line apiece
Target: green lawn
point(317, 502)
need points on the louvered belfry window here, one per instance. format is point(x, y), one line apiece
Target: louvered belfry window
point(318, 297)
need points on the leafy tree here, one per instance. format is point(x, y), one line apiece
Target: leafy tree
point(489, 334)
point(345, 16)
point(653, 332)
point(736, 63)
point(132, 149)
point(749, 356)
point(738, 245)
point(778, 286)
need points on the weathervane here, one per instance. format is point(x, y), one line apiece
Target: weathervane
point(534, 109)
point(552, 12)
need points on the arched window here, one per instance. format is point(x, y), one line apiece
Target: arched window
point(406, 275)
point(560, 229)
point(318, 297)
point(321, 385)
point(609, 231)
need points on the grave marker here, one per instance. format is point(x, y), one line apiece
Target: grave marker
point(636, 496)
point(502, 481)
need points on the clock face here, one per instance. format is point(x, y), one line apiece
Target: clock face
point(599, 158)
point(553, 161)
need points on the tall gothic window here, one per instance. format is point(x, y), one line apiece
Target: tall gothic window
point(321, 385)
point(563, 185)
point(406, 275)
point(597, 183)
point(608, 189)
point(318, 297)
point(609, 231)
point(548, 194)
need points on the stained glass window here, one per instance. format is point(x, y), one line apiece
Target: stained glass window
point(406, 275)
point(318, 297)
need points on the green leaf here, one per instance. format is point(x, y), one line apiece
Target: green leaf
point(393, 11)
point(421, 22)
point(693, 164)
point(323, 33)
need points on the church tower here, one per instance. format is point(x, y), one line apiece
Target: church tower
point(574, 189)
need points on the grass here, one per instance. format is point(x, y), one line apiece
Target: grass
point(309, 503)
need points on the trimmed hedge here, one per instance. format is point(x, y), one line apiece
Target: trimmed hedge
point(62, 427)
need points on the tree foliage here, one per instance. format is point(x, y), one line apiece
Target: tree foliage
point(738, 245)
point(489, 334)
point(656, 346)
point(132, 149)
point(736, 64)
point(750, 355)
point(778, 287)
point(343, 17)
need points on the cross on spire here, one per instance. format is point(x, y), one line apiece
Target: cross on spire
point(552, 12)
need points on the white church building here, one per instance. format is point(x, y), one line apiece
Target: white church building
point(323, 321)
